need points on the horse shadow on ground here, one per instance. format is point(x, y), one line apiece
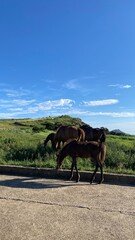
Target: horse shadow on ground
point(45, 183)
point(38, 183)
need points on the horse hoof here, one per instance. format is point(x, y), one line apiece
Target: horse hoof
point(78, 179)
point(91, 181)
point(100, 182)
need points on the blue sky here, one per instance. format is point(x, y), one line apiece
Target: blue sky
point(69, 57)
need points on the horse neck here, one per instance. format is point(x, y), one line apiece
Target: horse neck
point(46, 140)
point(60, 158)
point(55, 139)
point(63, 152)
point(103, 137)
point(89, 133)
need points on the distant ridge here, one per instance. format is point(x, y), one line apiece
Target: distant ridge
point(118, 132)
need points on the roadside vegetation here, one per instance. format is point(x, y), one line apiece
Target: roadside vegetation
point(21, 143)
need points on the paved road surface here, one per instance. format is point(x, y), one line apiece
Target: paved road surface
point(45, 209)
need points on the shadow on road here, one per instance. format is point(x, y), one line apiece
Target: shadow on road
point(41, 183)
point(34, 183)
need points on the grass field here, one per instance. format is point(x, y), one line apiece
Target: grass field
point(21, 143)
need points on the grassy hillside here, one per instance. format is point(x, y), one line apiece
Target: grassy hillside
point(51, 123)
point(21, 143)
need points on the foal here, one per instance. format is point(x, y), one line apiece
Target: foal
point(94, 150)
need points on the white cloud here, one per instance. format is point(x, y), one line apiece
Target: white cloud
point(21, 106)
point(108, 114)
point(15, 103)
point(21, 102)
point(120, 86)
point(72, 84)
point(47, 105)
point(100, 102)
point(126, 86)
point(15, 109)
point(7, 115)
point(5, 103)
point(117, 114)
point(16, 93)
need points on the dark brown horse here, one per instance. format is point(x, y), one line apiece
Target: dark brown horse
point(94, 150)
point(94, 134)
point(50, 137)
point(65, 133)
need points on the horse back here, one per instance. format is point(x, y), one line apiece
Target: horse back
point(65, 133)
point(82, 149)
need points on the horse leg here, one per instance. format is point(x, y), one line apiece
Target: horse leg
point(77, 173)
point(101, 170)
point(94, 173)
point(101, 161)
point(58, 145)
point(72, 168)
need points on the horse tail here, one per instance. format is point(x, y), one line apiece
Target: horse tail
point(81, 134)
point(103, 152)
point(103, 137)
point(55, 140)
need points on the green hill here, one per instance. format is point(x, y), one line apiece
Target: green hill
point(50, 123)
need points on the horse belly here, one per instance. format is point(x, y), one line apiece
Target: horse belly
point(86, 155)
point(70, 135)
point(83, 152)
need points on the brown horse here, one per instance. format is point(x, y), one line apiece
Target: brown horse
point(94, 150)
point(65, 133)
point(94, 134)
point(50, 137)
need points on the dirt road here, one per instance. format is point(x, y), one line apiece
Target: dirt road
point(45, 209)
